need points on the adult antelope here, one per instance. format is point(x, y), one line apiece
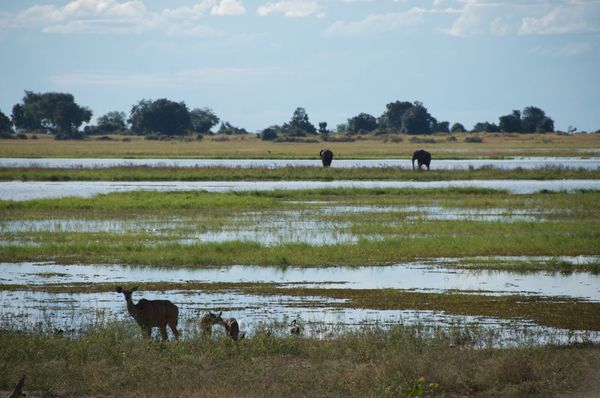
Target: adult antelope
point(152, 313)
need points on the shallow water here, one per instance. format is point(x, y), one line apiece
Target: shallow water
point(320, 317)
point(436, 164)
point(425, 276)
point(25, 190)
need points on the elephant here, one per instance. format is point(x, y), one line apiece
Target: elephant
point(326, 157)
point(423, 158)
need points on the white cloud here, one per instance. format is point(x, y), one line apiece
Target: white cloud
point(291, 8)
point(228, 7)
point(575, 17)
point(381, 23)
point(118, 16)
point(502, 17)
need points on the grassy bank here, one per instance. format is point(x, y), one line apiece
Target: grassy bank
point(401, 362)
point(285, 174)
point(173, 227)
point(402, 146)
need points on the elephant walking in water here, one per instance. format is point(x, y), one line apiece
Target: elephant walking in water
point(326, 157)
point(423, 158)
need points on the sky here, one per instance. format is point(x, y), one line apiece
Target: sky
point(255, 61)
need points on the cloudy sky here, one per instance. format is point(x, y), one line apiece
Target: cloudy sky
point(255, 61)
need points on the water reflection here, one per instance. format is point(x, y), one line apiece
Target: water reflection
point(25, 190)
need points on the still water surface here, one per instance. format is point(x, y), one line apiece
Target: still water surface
point(25, 190)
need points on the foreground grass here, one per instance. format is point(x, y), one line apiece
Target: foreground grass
point(286, 174)
point(110, 361)
point(494, 145)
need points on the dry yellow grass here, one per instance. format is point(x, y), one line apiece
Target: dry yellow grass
point(493, 145)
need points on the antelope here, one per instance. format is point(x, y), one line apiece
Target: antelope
point(207, 321)
point(295, 328)
point(231, 326)
point(151, 313)
point(18, 391)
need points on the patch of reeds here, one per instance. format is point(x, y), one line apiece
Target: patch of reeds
point(113, 361)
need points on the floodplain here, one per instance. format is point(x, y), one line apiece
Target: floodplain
point(393, 287)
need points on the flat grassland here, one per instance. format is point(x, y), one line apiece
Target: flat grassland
point(249, 146)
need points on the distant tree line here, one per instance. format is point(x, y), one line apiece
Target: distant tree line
point(60, 115)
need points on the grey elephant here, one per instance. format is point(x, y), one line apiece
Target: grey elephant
point(326, 157)
point(422, 157)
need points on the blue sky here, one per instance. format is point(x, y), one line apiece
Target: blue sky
point(254, 62)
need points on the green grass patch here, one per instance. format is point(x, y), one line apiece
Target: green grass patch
point(111, 361)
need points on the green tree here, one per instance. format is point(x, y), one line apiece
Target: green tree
point(203, 119)
point(441, 127)
point(510, 123)
point(535, 120)
point(228, 129)
point(112, 122)
point(392, 117)
point(56, 112)
point(485, 127)
point(363, 122)
point(5, 124)
point(160, 116)
point(299, 125)
point(417, 120)
point(270, 133)
point(458, 128)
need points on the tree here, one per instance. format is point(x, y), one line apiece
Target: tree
point(160, 116)
point(535, 120)
point(55, 112)
point(458, 128)
point(392, 117)
point(112, 122)
point(486, 127)
point(442, 127)
point(270, 133)
point(406, 117)
point(5, 124)
point(203, 119)
point(299, 125)
point(510, 123)
point(417, 120)
point(363, 122)
point(228, 129)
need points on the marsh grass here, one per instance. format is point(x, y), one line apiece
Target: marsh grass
point(286, 174)
point(113, 361)
point(572, 229)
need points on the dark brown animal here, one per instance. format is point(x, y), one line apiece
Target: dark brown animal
point(18, 391)
point(152, 313)
point(422, 157)
point(231, 326)
point(326, 157)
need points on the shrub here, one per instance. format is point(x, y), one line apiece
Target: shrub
point(475, 140)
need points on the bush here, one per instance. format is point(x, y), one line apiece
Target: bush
point(475, 140)
point(419, 140)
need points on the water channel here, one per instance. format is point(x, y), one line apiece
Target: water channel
point(25, 190)
point(592, 163)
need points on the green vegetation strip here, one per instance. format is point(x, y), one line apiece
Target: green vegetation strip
point(558, 312)
point(114, 361)
point(284, 174)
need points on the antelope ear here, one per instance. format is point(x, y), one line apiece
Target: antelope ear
point(119, 289)
point(220, 313)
